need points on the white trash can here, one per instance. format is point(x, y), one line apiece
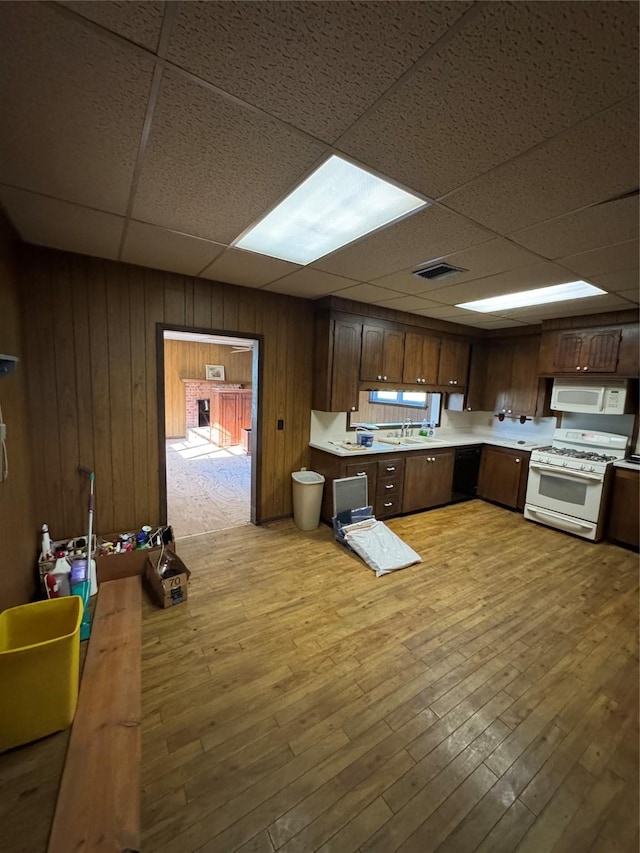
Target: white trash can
point(307, 498)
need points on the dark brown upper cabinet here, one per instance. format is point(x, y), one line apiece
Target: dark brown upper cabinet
point(337, 361)
point(382, 354)
point(421, 358)
point(611, 350)
point(453, 367)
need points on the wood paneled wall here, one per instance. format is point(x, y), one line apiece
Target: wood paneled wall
point(91, 361)
point(19, 527)
point(187, 360)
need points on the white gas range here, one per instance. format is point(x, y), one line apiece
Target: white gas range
point(568, 481)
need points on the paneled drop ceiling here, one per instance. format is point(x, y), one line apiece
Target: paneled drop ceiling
point(156, 133)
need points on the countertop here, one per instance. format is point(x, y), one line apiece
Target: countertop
point(630, 466)
point(463, 439)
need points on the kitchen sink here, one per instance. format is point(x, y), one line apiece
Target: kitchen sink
point(405, 441)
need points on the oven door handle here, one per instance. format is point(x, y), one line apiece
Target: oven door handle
point(568, 522)
point(566, 472)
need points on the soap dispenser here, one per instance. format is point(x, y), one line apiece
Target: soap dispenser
point(424, 428)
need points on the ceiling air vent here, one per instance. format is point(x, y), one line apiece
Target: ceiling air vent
point(438, 271)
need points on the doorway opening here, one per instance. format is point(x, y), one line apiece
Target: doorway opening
point(208, 383)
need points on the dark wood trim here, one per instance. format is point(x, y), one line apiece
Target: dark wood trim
point(256, 413)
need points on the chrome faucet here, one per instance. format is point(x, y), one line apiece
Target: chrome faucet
point(406, 424)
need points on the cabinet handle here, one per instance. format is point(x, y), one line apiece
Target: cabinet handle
point(388, 503)
point(517, 461)
point(353, 409)
point(378, 376)
point(391, 468)
point(455, 381)
point(585, 368)
point(385, 378)
point(361, 473)
point(578, 368)
point(389, 486)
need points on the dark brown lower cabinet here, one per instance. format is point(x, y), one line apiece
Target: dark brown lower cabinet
point(428, 479)
point(623, 523)
point(503, 476)
point(384, 480)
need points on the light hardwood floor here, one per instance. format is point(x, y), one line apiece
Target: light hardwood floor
point(486, 699)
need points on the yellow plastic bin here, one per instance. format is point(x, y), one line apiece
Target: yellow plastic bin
point(39, 669)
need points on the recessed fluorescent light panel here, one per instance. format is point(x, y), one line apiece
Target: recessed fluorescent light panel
point(335, 205)
point(541, 296)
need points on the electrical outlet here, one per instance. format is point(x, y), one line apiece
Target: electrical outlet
point(280, 423)
point(3, 432)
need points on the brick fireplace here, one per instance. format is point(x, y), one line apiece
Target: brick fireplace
point(199, 389)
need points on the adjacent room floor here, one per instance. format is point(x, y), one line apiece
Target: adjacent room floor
point(208, 487)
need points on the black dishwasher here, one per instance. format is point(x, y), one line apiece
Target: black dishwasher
point(465, 473)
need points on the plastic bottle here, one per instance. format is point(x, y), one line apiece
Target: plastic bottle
point(424, 428)
point(46, 543)
point(431, 430)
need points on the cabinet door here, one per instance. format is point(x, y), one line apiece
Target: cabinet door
point(382, 354)
point(523, 392)
point(624, 509)
point(415, 494)
point(362, 469)
point(421, 356)
point(600, 351)
point(336, 364)
point(229, 419)
point(454, 362)
point(568, 352)
point(500, 476)
point(428, 479)
point(345, 364)
point(498, 378)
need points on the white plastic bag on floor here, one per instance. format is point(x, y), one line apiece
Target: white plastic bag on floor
point(379, 547)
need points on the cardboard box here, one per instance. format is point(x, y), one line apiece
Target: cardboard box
point(112, 567)
point(167, 591)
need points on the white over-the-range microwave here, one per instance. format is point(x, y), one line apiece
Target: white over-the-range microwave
point(596, 398)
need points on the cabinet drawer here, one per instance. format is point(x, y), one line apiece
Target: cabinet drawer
point(388, 486)
point(386, 505)
point(357, 469)
point(391, 467)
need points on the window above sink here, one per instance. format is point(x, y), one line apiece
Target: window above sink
point(389, 410)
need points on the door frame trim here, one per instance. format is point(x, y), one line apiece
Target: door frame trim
point(256, 413)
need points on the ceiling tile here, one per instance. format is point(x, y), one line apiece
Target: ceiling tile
point(161, 249)
point(621, 256)
point(631, 295)
point(310, 284)
point(317, 66)
point(590, 228)
point(248, 269)
point(589, 163)
point(212, 167)
point(409, 243)
point(590, 305)
point(407, 303)
point(446, 312)
point(616, 281)
point(514, 76)
point(61, 225)
point(513, 281)
point(368, 293)
point(493, 256)
point(499, 323)
point(75, 102)
point(139, 22)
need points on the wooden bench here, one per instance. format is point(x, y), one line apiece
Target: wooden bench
point(98, 806)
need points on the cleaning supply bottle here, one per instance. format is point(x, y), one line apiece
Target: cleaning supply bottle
point(424, 428)
point(431, 430)
point(46, 543)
